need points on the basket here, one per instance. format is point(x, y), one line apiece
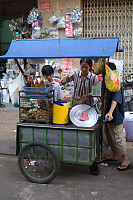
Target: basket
point(38, 91)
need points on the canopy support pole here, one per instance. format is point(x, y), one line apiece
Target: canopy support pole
point(19, 66)
point(103, 95)
point(25, 63)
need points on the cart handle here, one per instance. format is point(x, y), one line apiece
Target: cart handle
point(106, 118)
point(101, 124)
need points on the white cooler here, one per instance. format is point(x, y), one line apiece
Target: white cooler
point(128, 125)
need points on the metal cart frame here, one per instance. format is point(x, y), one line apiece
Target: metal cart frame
point(58, 143)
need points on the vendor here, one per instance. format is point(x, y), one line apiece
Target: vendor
point(48, 72)
point(83, 80)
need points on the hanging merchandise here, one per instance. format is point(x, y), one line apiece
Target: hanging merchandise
point(76, 16)
point(52, 19)
point(35, 19)
point(77, 32)
point(54, 33)
point(66, 67)
point(112, 80)
point(36, 34)
point(44, 32)
point(68, 26)
point(13, 25)
point(49, 61)
point(98, 66)
point(61, 22)
point(20, 28)
point(33, 16)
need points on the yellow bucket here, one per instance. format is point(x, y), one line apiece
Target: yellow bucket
point(60, 112)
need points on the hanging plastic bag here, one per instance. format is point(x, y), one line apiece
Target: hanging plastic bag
point(52, 19)
point(68, 27)
point(61, 22)
point(77, 32)
point(98, 67)
point(15, 86)
point(112, 80)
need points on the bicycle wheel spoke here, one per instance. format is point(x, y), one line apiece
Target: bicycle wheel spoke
point(39, 164)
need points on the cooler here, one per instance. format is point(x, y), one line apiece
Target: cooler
point(60, 113)
point(128, 125)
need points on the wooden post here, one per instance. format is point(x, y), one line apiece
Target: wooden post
point(102, 109)
point(25, 63)
point(103, 94)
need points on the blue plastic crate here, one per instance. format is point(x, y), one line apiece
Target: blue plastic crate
point(38, 91)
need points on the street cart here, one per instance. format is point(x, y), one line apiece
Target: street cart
point(40, 144)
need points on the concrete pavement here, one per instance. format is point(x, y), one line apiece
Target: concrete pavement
point(73, 181)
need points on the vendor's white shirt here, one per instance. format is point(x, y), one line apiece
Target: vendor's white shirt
point(57, 91)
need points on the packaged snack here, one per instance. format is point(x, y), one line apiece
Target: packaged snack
point(52, 19)
point(68, 26)
point(76, 16)
point(61, 22)
point(54, 33)
point(77, 32)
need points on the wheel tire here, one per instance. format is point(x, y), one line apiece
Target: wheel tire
point(95, 168)
point(38, 163)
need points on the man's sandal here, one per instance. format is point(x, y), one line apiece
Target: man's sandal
point(2, 106)
point(126, 167)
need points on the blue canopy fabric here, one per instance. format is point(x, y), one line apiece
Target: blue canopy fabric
point(63, 48)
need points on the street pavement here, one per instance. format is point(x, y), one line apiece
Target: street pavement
point(74, 182)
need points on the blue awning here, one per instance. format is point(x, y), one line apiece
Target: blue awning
point(63, 48)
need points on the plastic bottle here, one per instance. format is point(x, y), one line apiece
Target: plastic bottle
point(28, 84)
point(42, 83)
point(104, 164)
point(32, 83)
point(36, 83)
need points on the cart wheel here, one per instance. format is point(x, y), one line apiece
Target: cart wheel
point(95, 168)
point(38, 163)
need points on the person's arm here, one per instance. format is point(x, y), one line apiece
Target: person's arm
point(69, 78)
point(65, 80)
point(59, 93)
point(111, 110)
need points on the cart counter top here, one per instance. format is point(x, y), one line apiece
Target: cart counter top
point(69, 126)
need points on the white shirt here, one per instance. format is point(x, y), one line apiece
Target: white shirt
point(57, 91)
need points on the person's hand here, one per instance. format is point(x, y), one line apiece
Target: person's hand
point(109, 115)
point(65, 80)
point(84, 97)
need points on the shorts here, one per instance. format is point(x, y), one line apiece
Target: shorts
point(115, 137)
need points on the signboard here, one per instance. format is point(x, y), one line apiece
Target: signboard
point(45, 5)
